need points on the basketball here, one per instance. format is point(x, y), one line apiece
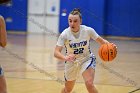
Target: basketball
point(107, 52)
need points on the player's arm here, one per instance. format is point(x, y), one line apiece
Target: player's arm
point(58, 54)
point(59, 47)
point(96, 37)
point(101, 41)
point(3, 34)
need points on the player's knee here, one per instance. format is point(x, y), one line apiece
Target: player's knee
point(89, 83)
point(68, 90)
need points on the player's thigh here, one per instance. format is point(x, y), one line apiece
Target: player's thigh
point(2, 83)
point(70, 84)
point(89, 74)
point(2, 80)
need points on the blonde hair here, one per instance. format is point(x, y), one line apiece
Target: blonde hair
point(76, 11)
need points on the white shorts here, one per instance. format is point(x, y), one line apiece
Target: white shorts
point(72, 70)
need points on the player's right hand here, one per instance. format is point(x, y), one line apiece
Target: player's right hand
point(70, 57)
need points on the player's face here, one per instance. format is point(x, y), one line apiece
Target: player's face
point(74, 22)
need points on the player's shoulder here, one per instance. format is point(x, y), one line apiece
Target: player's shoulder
point(87, 28)
point(65, 31)
point(84, 27)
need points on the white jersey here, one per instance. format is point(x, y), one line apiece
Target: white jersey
point(77, 43)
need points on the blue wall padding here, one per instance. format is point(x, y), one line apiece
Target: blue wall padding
point(107, 17)
point(17, 13)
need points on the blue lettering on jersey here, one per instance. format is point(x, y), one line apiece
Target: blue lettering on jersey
point(76, 45)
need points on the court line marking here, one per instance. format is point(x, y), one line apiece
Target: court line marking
point(134, 90)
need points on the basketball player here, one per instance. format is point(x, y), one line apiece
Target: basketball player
point(3, 42)
point(78, 59)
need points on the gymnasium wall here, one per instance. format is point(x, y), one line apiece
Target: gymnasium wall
point(43, 16)
point(107, 17)
point(15, 15)
point(125, 16)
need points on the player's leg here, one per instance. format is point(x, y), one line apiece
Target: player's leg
point(70, 75)
point(68, 86)
point(88, 73)
point(3, 36)
point(88, 76)
point(2, 82)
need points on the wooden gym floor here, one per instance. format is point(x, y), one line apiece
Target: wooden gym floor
point(30, 67)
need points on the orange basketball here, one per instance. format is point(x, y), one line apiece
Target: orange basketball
point(107, 52)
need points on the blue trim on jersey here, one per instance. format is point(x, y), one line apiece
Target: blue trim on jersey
point(66, 49)
point(90, 63)
point(1, 71)
point(89, 50)
point(89, 47)
point(66, 53)
point(65, 77)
